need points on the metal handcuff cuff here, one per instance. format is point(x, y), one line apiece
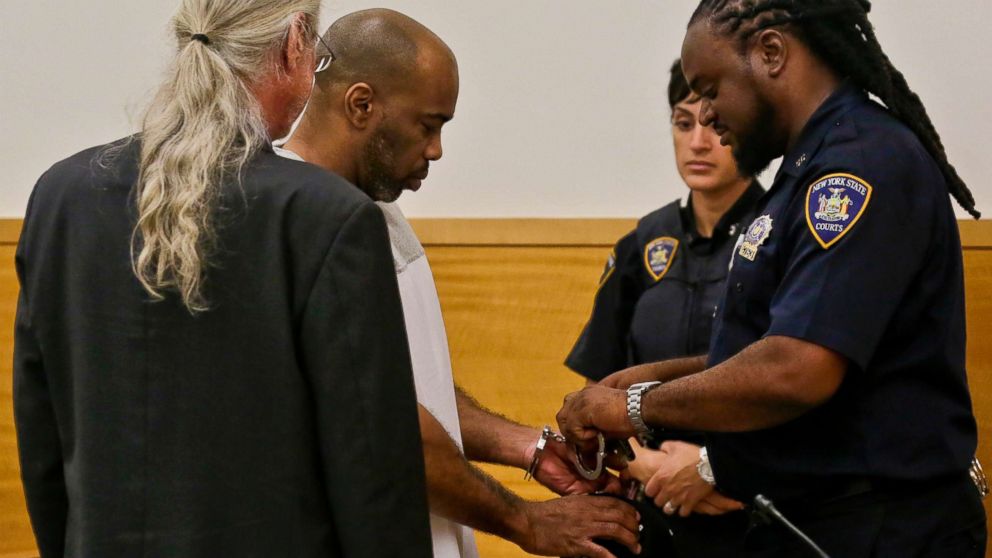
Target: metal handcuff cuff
point(593, 473)
point(542, 442)
point(620, 447)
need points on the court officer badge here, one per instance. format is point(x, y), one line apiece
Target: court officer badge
point(658, 256)
point(756, 235)
point(834, 204)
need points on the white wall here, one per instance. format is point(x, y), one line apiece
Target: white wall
point(562, 111)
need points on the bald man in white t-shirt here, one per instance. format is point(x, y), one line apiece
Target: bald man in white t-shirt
point(385, 87)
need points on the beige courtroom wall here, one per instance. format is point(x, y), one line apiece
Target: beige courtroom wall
point(562, 108)
point(515, 294)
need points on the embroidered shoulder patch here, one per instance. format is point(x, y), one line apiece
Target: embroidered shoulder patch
point(611, 266)
point(834, 204)
point(659, 254)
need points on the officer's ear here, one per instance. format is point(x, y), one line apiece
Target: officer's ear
point(360, 104)
point(770, 51)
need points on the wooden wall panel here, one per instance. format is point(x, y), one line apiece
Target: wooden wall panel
point(512, 314)
point(515, 295)
point(978, 292)
point(16, 539)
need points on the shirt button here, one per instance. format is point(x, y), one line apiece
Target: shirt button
point(739, 287)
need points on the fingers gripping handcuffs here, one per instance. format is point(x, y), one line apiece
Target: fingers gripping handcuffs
point(597, 471)
point(586, 472)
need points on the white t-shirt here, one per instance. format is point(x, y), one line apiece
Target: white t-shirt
point(429, 354)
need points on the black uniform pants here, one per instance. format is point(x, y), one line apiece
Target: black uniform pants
point(942, 519)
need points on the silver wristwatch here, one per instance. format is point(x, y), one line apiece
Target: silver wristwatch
point(635, 395)
point(703, 467)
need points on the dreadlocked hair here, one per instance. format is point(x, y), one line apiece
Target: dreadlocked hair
point(839, 33)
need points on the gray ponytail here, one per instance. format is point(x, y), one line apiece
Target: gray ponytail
point(203, 125)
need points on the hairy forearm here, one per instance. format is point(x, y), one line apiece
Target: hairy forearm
point(664, 371)
point(769, 383)
point(461, 492)
point(674, 369)
point(490, 437)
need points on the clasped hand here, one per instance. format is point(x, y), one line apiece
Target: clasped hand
point(676, 486)
point(593, 410)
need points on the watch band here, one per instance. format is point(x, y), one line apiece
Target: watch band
point(635, 395)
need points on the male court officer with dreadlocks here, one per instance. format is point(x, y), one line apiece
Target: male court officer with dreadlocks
point(835, 383)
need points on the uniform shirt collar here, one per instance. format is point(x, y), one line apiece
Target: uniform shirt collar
point(741, 207)
point(847, 97)
point(730, 218)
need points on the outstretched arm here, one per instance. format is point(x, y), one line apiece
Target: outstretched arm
point(490, 437)
point(461, 492)
point(664, 371)
point(493, 438)
point(769, 383)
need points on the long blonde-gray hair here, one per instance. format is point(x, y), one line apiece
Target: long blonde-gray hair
point(203, 125)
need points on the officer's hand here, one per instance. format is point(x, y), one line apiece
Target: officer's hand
point(556, 471)
point(567, 526)
point(646, 464)
point(677, 486)
point(595, 409)
point(626, 378)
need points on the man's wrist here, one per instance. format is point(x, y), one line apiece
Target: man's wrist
point(519, 524)
point(528, 441)
point(535, 452)
point(507, 444)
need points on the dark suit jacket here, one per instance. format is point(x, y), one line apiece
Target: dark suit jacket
point(281, 422)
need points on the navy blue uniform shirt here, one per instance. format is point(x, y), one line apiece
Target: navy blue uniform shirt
point(855, 249)
point(659, 290)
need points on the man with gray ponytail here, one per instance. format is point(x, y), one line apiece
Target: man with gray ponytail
point(210, 357)
point(387, 88)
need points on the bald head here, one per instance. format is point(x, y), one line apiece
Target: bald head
point(376, 114)
point(381, 47)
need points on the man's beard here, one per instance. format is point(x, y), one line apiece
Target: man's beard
point(754, 149)
point(380, 167)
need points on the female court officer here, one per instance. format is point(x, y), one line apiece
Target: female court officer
point(662, 281)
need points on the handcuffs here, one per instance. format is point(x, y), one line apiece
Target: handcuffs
point(975, 470)
point(621, 447)
point(539, 449)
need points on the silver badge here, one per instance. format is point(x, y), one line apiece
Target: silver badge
point(756, 235)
